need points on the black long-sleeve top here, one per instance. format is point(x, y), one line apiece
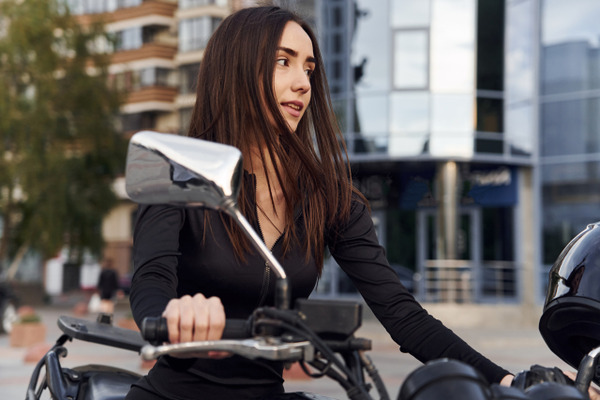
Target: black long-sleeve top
point(176, 253)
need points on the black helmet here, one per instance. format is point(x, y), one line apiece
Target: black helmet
point(570, 323)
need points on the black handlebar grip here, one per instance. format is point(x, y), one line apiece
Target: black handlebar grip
point(237, 329)
point(155, 331)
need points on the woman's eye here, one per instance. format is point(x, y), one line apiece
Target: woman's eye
point(282, 61)
point(309, 72)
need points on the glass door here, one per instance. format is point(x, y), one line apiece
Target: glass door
point(445, 279)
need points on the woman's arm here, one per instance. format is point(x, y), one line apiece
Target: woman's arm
point(155, 259)
point(356, 249)
point(154, 284)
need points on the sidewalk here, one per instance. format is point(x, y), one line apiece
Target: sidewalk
point(514, 348)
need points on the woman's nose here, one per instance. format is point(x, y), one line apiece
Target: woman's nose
point(301, 81)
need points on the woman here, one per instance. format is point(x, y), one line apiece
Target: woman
point(262, 88)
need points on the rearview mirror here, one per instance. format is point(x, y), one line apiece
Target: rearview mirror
point(172, 169)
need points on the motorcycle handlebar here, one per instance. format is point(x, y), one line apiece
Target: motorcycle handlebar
point(155, 331)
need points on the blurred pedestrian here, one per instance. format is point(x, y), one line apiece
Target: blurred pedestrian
point(108, 284)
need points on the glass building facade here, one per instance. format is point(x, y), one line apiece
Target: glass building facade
point(569, 94)
point(473, 128)
point(439, 137)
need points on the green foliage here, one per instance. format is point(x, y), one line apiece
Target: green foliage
point(30, 319)
point(59, 148)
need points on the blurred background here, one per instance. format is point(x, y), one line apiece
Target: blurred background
point(472, 126)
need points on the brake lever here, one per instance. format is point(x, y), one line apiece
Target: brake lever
point(249, 348)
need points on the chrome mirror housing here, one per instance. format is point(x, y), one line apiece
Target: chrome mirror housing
point(172, 169)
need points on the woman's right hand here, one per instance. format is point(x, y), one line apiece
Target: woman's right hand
point(195, 319)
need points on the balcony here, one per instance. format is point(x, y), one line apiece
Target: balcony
point(146, 9)
point(155, 10)
point(148, 50)
point(153, 94)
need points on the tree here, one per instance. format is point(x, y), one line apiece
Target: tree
point(59, 147)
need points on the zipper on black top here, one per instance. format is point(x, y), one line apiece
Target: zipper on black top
point(264, 289)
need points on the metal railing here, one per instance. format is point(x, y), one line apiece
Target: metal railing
point(465, 281)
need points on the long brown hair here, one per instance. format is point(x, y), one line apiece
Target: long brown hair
point(235, 105)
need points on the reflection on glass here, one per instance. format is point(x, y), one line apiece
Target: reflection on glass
point(519, 129)
point(452, 113)
point(450, 144)
point(409, 112)
point(372, 115)
point(409, 13)
point(452, 45)
point(410, 59)
point(569, 67)
point(570, 127)
point(570, 45)
point(340, 109)
point(570, 199)
point(407, 145)
point(563, 175)
point(371, 43)
point(564, 21)
point(519, 78)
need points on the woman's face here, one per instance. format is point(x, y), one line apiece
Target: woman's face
point(291, 79)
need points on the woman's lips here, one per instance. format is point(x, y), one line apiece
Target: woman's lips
point(293, 108)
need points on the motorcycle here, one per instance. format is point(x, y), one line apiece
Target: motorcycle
point(92, 381)
point(318, 334)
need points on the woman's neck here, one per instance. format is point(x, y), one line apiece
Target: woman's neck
point(270, 201)
point(262, 166)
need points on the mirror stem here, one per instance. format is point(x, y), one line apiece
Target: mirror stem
point(282, 296)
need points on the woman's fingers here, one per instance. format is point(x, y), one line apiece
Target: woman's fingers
point(201, 317)
point(186, 319)
point(217, 319)
point(171, 314)
point(195, 319)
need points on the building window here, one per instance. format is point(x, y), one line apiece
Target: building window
point(490, 45)
point(185, 116)
point(129, 3)
point(81, 7)
point(570, 46)
point(135, 80)
point(138, 121)
point(136, 37)
point(410, 13)
point(194, 33)
point(188, 75)
point(129, 39)
point(152, 77)
point(411, 59)
point(185, 4)
point(490, 115)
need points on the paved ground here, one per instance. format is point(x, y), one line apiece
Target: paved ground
point(512, 347)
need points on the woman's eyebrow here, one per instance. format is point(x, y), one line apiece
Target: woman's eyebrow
point(294, 53)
